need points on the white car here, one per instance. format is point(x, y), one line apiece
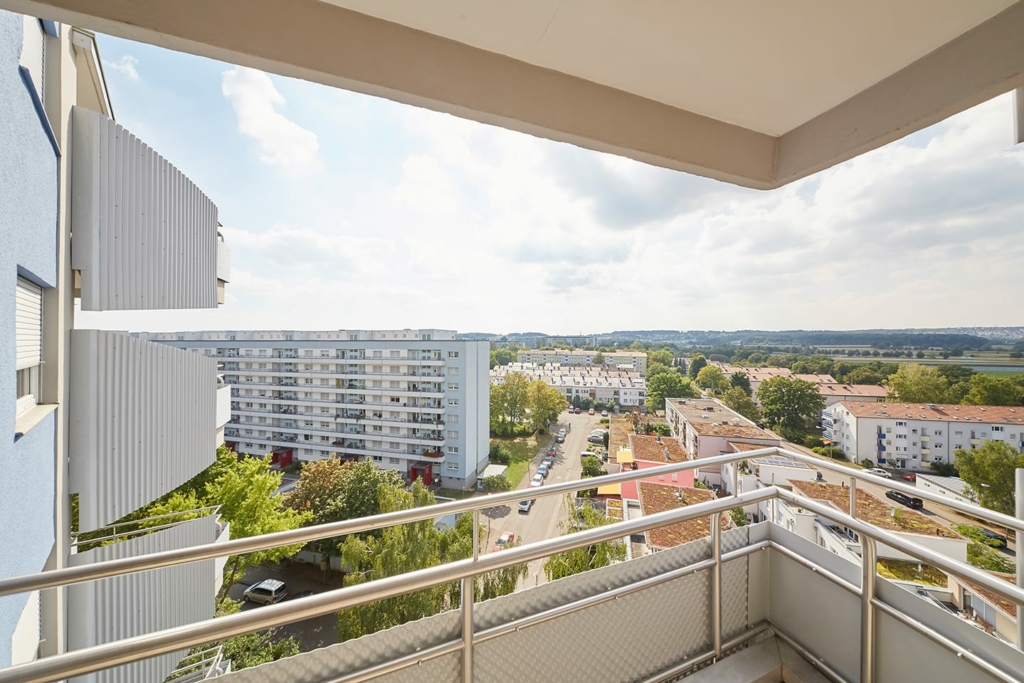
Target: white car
point(537, 480)
point(879, 472)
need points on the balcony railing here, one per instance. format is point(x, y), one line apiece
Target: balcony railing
point(688, 606)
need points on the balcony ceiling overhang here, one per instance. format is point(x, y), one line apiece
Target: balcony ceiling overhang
point(754, 93)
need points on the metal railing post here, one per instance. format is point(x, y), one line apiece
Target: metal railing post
point(735, 479)
point(853, 497)
point(1019, 477)
point(467, 607)
point(716, 582)
point(869, 561)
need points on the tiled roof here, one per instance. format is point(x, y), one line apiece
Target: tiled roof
point(853, 390)
point(743, 447)
point(874, 510)
point(653, 449)
point(937, 412)
point(656, 498)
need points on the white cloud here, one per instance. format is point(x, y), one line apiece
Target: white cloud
point(283, 142)
point(126, 65)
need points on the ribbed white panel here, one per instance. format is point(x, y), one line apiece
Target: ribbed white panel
point(141, 422)
point(144, 236)
point(28, 324)
point(125, 606)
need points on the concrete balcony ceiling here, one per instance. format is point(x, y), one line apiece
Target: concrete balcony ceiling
point(757, 94)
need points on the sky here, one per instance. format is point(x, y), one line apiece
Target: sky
point(345, 211)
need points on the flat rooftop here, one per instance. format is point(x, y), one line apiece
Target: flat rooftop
point(656, 498)
point(709, 417)
point(874, 510)
point(937, 412)
point(853, 390)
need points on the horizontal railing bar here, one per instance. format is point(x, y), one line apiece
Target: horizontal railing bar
point(614, 594)
point(943, 641)
point(167, 558)
point(401, 663)
point(995, 518)
point(190, 635)
point(963, 571)
point(814, 660)
point(683, 667)
point(70, 575)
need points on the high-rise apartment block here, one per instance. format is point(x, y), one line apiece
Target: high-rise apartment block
point(415, 401)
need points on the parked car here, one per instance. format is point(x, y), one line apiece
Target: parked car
point(506, 539)
point(998, 538)
point(560, 438)
point(908, 476)
point(598, 431)
point(577, 411)
point(552, 452)
point(595, 438)
point(267, 591)
point(904, 499)
point(879, 472)
point(537, 480)
point(525, 505)
point(543, 470)
point(591, 411)
point(548, 461)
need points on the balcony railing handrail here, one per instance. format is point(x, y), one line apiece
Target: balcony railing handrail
point(58, 577)
point(199, 512)
point(132, 649)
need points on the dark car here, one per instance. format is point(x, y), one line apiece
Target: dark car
point(904, 499)
point(998, 538)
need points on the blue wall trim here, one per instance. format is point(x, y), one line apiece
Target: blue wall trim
point(26, 76)
point(52, 28)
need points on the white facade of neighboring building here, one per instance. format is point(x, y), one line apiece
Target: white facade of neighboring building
point(603, 383)
point(913, 436)
point(409, 400)
point(634, 359)
point(954, 488)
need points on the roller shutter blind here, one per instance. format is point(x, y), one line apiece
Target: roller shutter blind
point(28, 324)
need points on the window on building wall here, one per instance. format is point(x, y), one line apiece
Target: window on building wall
point(996, 429)
point(393, 461)
point(453, 466)
point(453, 434)
point(453, 450)
point(453, 354)
point(378, 458)
point(454, 419)
point(453, 387)
point(28, 326)
point(453, 401)
point(454, 370)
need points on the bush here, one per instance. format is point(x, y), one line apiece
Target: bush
point(975, 534)
point(738, 517)
point(592, 467)
point(867, 464)
point(496, 483)
point(662, 429)
point(944, 469)
point(984, 557)
point(812, 441)
point(830, 452)
point(499, 454)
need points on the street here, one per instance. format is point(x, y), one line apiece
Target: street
point(547, 513)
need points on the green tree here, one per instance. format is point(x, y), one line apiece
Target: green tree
point(247, 650)
point(545, 404)
point(509, 402)
point(495, 483)
point(663, 356)
point(742, 403)
point(586, 558)
point(989, 472)
point(712, 377)
point(247, 495)
point(916, 383)
point(504, 356)
point(697, 362)
point(741, 380)
point(669, 385)
point(409, 547)
point(955, 373)
point(993, 391)
point(657, 369)
point(598, 358)
point(592, 467)
point(790, 405)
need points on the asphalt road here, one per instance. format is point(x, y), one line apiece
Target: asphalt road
point(548, 514)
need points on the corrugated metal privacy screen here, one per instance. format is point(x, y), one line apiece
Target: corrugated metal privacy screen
point(142, 422)
point(143, 235)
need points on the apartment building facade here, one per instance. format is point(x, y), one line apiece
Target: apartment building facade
point(99, 418)
point(634, 359)
point(913, 436)
point(415, 401)
point(598, 383)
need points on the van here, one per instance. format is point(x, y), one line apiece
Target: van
point(267, 592)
